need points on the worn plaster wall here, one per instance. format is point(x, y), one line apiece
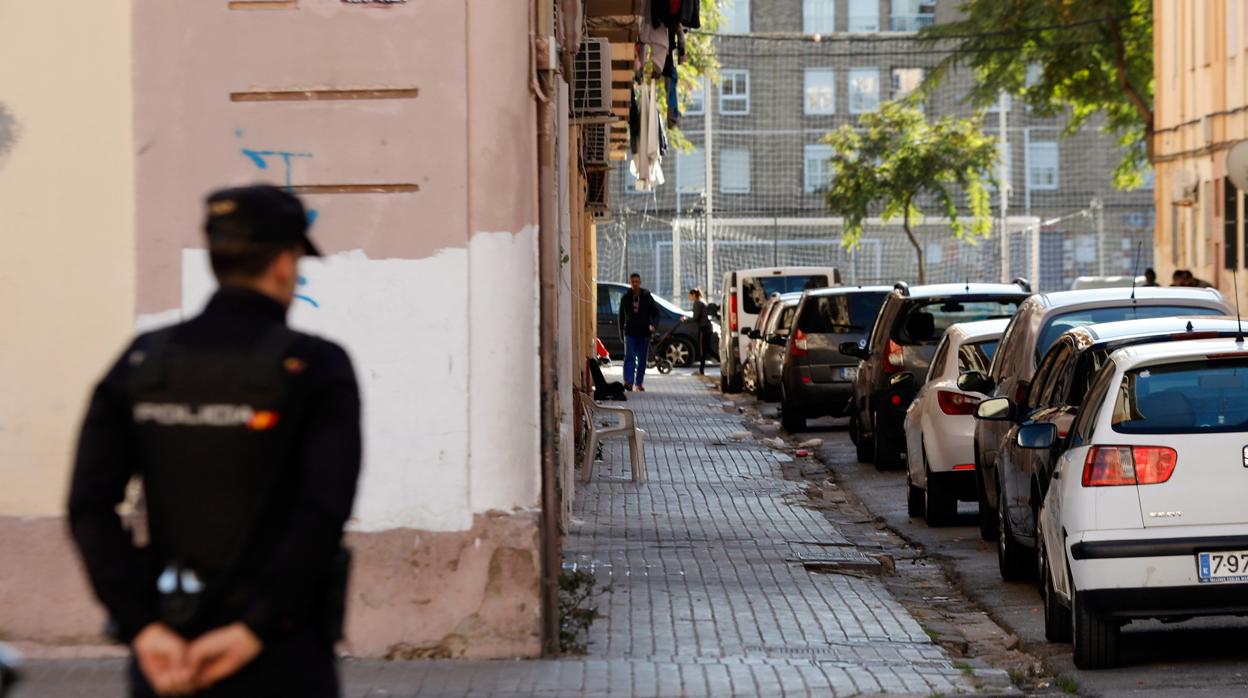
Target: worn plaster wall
point(409, 131)
point(66, 232)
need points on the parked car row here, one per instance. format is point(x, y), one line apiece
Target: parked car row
point(1073, 425)
point(1102, 432)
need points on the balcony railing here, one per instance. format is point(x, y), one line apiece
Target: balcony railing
point(910, 23)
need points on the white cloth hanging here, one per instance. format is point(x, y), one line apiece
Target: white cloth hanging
point(646, 165)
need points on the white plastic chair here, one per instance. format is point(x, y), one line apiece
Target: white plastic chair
point(626, 426)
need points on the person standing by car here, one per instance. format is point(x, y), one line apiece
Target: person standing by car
point(246, 435)
point(701, 320)
point(639, 315)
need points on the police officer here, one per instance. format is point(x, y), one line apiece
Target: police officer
point(246, 437)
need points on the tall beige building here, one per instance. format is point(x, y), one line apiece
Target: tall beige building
point(1201, 70)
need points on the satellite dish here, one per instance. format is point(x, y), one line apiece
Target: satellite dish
point(1237, 165)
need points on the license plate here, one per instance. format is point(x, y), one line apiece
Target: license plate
point(849, 374)
point(1225, 566)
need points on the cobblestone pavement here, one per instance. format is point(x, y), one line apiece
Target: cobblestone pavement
point(707, 594)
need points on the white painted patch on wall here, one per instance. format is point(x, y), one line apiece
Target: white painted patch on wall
point(505, 409)
point(405, 324)
point(147, 322)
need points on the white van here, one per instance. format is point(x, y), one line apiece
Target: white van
point(742, 295)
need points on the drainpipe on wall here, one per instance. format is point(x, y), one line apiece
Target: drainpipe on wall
point(542, 83)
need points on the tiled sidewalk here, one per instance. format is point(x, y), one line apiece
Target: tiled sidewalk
point(705, 600)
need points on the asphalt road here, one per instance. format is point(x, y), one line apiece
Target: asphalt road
point(1204, 657)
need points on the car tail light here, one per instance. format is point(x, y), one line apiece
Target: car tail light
point(1128, 465)
point(798, 346)
point(964, 466)
point(732, 312)
point(956, 403)
point(894, 361)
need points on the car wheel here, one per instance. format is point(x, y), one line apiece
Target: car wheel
point(679, 351)
point(864, 447)
point(941, 504)
point(791, 419)
point(987, 515)
point(887, 456)
point(1056, 616)
point(1012, 557)
point(914, 497)
point(1095, 637)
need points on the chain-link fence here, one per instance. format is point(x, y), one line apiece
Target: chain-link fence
point(778, 95)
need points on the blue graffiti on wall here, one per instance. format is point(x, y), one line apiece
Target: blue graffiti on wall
point(261, 159)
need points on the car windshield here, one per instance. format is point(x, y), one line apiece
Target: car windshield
point(1207, 396)
point(846, 313)
point(976, 356)
point(926, 323)
point(755, 290)
point(1091, 316)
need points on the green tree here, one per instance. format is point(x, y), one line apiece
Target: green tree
point(895, 157)
point(1089, 57)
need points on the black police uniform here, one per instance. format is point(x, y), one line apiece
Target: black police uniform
point(247, 436)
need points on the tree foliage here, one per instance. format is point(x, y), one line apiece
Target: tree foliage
point(893, 159)
point(1072, 57)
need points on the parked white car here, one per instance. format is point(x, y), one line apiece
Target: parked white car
point(940, 424)
point(1145, 517)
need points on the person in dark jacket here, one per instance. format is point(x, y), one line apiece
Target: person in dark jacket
point(246, 437)
point(639, 315)
point(702, 321)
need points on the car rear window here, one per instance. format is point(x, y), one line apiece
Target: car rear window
point(976, 356)
point(1091, 316)
point(846, 313)
point(1206, 396)
point(755, 290)
point(926, 323)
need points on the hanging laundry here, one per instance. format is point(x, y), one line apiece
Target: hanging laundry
point(646, 163)
point(673, 101)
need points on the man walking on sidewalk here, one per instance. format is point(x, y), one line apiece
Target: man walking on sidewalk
point(639, 315)
point(246, 435)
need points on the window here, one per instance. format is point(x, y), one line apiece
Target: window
point(1230, 224)
point(697, 99)
point(820, 91)
point(864, 90)
point(755, 290)
point(609, 300)
point(1042, 164)
point(937, 368)
point(691, 172)
point(976, 356)
point(905, 81)
point(864, 15)
point(1207, 396)
point(1081, 432)
point(734, 171)
point(843, 313)
point(818, 171)
point(1004, 159)
point(736, 17)
point(1062, 322)
point(911, 15)
point(995, 107)
point(818, 16)
point(734, 92)
point(926, 323)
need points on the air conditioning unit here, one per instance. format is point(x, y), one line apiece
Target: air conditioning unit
point(591, 93)
point(595, 145)
point(597, 197)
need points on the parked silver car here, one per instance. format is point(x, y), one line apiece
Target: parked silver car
point(767, 342)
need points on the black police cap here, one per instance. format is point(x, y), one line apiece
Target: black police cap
point(260, 214)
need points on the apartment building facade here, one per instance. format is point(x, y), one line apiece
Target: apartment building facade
point(791, 71)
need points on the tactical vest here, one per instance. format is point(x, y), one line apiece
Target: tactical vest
point(214, 434)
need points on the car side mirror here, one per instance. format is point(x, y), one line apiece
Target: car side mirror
point(853, 349)
point(777, 340)
point(976, 382)
point(1039, 435)
point(902, 381)
point(997, 409)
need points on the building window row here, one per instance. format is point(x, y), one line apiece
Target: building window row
point(819, 16)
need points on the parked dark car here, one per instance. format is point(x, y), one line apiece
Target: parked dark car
point(1039, 322)
point(681, 348)
point(911, 323)
point(817, 379)
point(1063, 378)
